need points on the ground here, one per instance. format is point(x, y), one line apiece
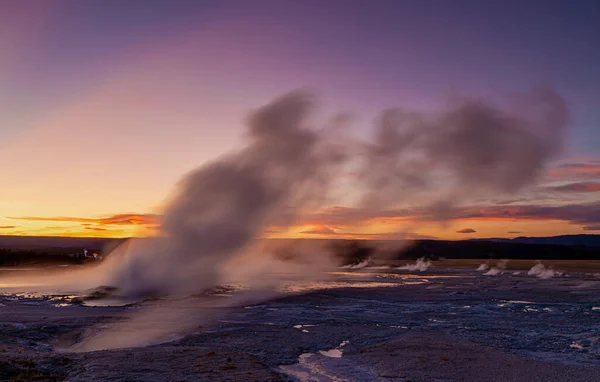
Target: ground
point(368, 325)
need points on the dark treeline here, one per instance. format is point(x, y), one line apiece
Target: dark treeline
point(435, 249)
point(17, 258)
point(347, 251)
point(352, 252)
point(30, 251)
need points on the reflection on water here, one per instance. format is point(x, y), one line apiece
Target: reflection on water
point(312, 286)
point(110, 302)
point(14, 286)
point(399, 275)
point(335, 353)
point(5, 269)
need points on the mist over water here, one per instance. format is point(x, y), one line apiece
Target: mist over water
point(543, 272)
point(420, 265)
point(287, 168)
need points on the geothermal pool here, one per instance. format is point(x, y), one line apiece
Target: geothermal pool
point(357, 325)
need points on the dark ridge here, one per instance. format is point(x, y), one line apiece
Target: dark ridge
point(351, 253)
point(41, 251)
point(17, 251)
point(500, 250)
point(19, 258)
point(55, 243)
point(575, 240)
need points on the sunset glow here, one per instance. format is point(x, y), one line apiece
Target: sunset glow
point(105, 106)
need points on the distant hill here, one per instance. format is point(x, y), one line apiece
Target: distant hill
point(48, 251)
point(54, 243)
point(16, 250)
point(573, 240)
point(60, 242)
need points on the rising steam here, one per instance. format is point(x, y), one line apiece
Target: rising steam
point(220, 209)
point(360, 265)
point(211, 227)
point(421, 265)
point(543, 272)
point(483, 267)
point(496, 270)
point(470, 151)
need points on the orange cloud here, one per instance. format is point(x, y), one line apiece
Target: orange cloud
point(341, 216)
point(356, 223)
point(582, 214)
point(348, 219)
point(577, 187)
point(77, 231)
point(588, 170)
point(7, 226)
point(96, 228)
point(387, 236)
point(119, 219)
point(321, 230)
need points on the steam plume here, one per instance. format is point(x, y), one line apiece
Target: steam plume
point(496, 270)
point(493, 272)
point(483, 267)
point(420, 265)
point(543, 272)
point(222, 207)
point(471, 150)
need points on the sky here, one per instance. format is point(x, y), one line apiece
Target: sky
point(104, 105)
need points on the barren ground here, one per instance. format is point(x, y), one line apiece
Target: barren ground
point(439, 325)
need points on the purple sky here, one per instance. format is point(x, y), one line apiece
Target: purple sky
point(152, 88)
point(383, 52)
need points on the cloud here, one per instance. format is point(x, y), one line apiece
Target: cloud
point(96, 228)
point(466, 230)
point(575, 170)
point(322, 230)
point(592, 228)
point(577, 187)
point(340, 216)
point(7, 226)
point(584, 214)
point(473, 150)
point(581, 214)
point(273, 230)
point(515, 232)
point(119, 219)
point(387, 236)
